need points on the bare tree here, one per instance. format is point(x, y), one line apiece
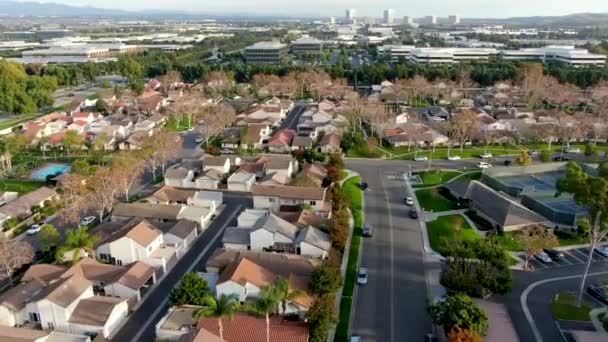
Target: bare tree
point(187, 105)
point(13, 254)
point(463, 126)
point(534, 239)
point(532, 82)
point(128, 169)
point(217, 82)
point(214, 119)
point(103, 191)
point(168, 146)
point(74, 190)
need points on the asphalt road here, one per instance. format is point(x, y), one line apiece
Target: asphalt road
point(540, 296)
point(140, 325)
point(392, 306)
point(293, 117)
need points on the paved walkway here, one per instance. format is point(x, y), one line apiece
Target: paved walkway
point(595, 319)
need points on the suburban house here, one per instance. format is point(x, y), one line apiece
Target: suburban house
point(261, 230)
point(170, 195)
point(178, 325)
point(231, 138)
point(65, 305)
point(255, 136)
point(244, 273)
point(30, 335)
point(278, 168)
point(504, 213)
point(135, 241)
point(281, 141)
point(330, 143)
point(182, 234)
point(241, 181)
point(315, 172)
point(162, 212)
point(128, 282)
point(221, 164)
point(414, 134)
point(286, 198)
point(301, 143)
point(21, 207)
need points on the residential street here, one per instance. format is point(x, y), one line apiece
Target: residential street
point(140, 325)
point(293, 117)
point(393, 303)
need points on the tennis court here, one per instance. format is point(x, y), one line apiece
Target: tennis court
point(533, 182)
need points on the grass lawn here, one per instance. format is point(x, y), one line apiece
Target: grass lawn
point(563, 306)
point(442, 153)
point(432, 178)
point(507, 241)
point(20, 186)
point(569, 239)
point(353, 191)
point(174, 125)
point(450, 228)
point(435, 200)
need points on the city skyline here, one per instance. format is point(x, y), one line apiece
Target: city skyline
point(440, 8)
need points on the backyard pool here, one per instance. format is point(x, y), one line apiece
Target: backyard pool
point(49, 169)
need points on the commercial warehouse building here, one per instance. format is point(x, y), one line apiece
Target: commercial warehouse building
point(266, 53)
point(564, 54)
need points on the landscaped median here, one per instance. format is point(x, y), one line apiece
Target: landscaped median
point(352, 190)
point(437, 199)
point(563, 306)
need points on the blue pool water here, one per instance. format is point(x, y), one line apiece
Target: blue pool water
point(49, 169)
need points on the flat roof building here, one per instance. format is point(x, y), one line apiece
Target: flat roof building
point(450, 55)
point(306, 45)
point(270, 52)
point(396, 52)
point(564, 54)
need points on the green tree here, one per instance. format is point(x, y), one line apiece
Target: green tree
point(76, 241)
point(591, 150)
point(286, 294)
point(320, 317)
point(102, 107)
point(82, 167)
point(546, 155)
point(49, 237)
point(71, 139)
point(592, 193)
point(130, 68)
point(192, 290)
point(459, 311)
point(524, 159)
point(225, 305)
point(326, 279)
point(268, 302)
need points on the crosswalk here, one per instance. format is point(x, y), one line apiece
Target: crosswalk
point(577, 256)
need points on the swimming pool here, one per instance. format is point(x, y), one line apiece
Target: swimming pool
point(49, 169)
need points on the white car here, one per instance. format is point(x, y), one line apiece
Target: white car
point(484, 165)
point(34, 229)
point(362, 276)
point(199, 140)
point(573, 150)
point(453, 157)
point(409, 201)
point(486, 155)
point(421, 158)
point(602, 250)
point(543, 257)
point(87, 220)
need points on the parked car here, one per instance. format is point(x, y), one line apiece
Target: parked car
point(88, 220)
point(453, 157)
point(364, 186)
point(226, 151)
point(533, 153)
point(598, 292)
point(362, 276)
point(602, 250)
point(34, 229)
point(543, 257)
point(484, 165)
point(561, 159)
point(199, 140)
point(486, 155)
point(413, 214)
point(573, 150)
point(508, 163)
point(355, 339)
point(554, 254)
point(409, 201)
point(423, 158)
point(368, 230)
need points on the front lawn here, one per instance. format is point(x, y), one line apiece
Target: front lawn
point(474, 152)
point(507, 241)
point(436, 199)
point(432, 178)
point(20, 186)
point(448, 229)
point(175, 125)
point(563, 306)
point(352, 190)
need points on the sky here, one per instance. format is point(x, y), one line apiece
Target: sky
point(326, 8)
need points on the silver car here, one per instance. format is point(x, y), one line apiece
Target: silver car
point(362, 276)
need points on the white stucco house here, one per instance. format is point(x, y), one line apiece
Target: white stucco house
point(241, 181)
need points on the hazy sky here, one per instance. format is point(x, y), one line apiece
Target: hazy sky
point(322, 8)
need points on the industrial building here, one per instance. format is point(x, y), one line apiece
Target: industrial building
point(396, 52)
point(306, 45)
point(564, 54)
point(266, 53)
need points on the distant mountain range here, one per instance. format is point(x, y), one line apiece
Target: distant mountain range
point(37, 9)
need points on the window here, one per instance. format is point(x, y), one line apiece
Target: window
point(50, 326)
point(34, 317)
point(119, 262)
point(313, 202)
point(270, 199)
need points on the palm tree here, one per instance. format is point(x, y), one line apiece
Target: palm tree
point(267, 303)
point(284, 293)
point(77, 240)
point(226, 305)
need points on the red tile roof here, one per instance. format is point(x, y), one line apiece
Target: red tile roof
point(244, 328)
point(282, 138)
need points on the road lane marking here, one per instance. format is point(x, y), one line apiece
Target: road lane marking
point(162, 304)
point(523, 300)
point(392, 261)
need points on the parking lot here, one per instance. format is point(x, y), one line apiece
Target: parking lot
point(577, 256)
